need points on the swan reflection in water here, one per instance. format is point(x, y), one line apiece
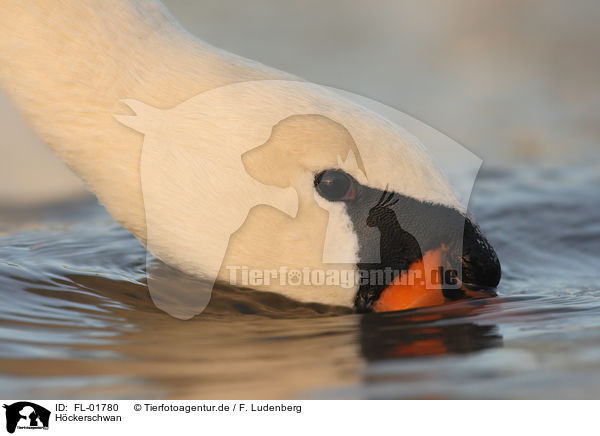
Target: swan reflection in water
point(80, 323)
point(103, 336)
point(422, 333)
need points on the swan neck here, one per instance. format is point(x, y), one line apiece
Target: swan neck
point(67, 65)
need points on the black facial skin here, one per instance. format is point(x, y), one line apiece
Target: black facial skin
point(398, 230)
point(396, 244)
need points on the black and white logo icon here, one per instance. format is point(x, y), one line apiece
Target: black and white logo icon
point(26, 415)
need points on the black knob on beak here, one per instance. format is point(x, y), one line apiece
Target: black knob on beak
point(480, 265)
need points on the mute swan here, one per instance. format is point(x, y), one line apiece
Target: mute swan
point(295, 176)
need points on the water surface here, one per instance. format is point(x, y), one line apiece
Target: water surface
point(77, 320)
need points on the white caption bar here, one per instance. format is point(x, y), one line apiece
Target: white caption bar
point(143, 417)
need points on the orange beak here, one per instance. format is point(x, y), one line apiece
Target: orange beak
point(422, 286)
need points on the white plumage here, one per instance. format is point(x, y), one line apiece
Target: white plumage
point(174, 173)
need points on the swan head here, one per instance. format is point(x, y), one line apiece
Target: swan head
point(259, 183)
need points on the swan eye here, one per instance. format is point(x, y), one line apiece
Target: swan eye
point(335, 185)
